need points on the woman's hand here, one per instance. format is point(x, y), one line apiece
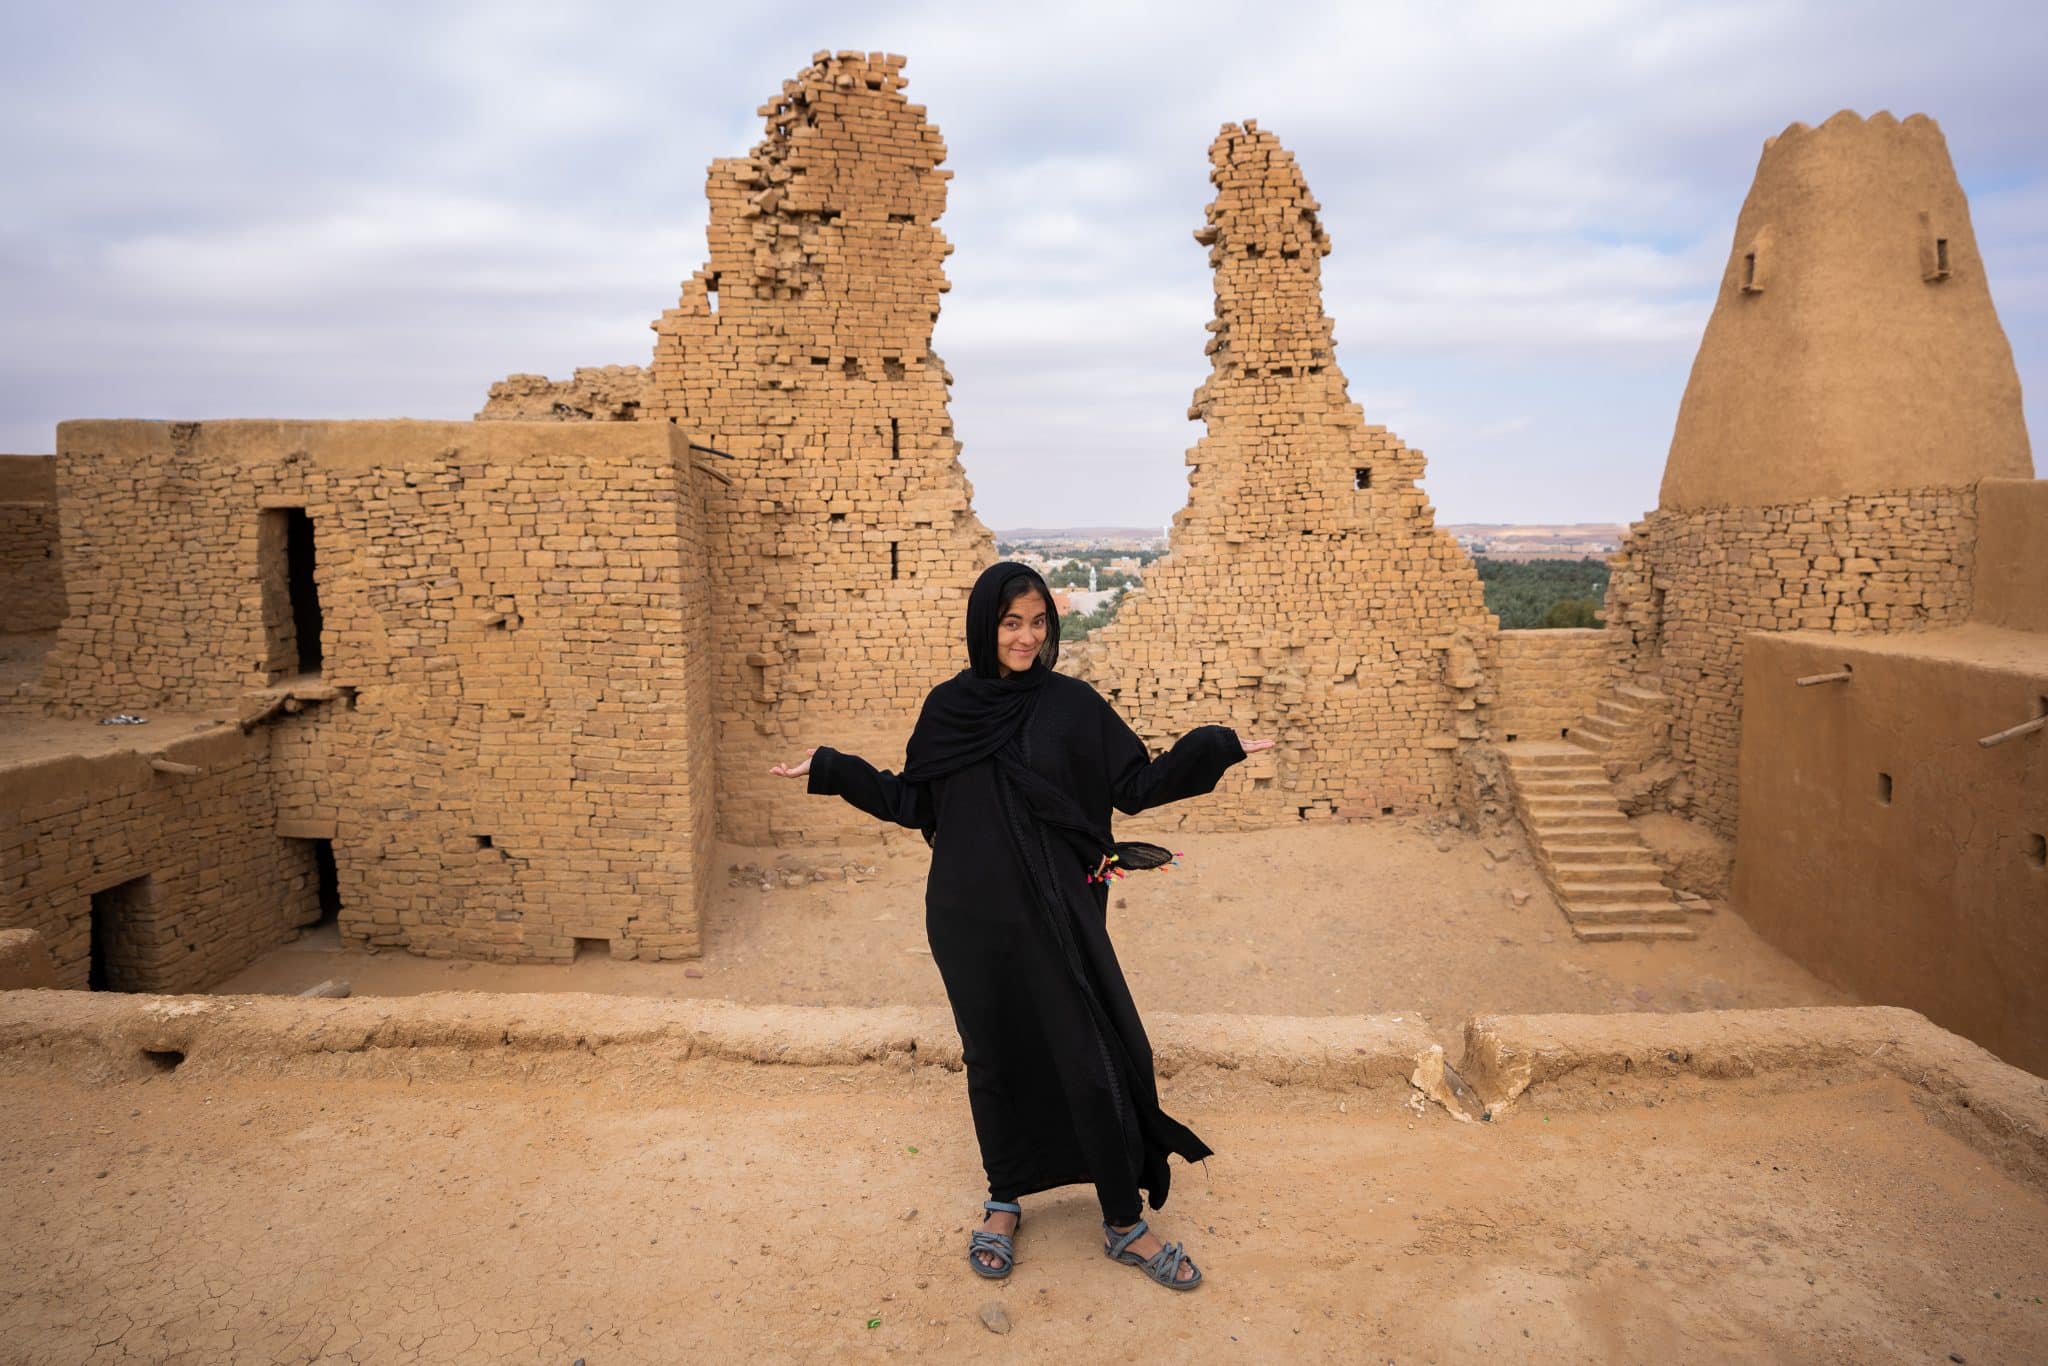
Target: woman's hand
point(1254, 746)
point(794, 770)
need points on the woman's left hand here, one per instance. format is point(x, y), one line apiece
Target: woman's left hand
point(1254, 746)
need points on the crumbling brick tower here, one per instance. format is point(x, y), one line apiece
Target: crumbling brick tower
point(1852, 388)
point(841, 535)
point(1308, 594)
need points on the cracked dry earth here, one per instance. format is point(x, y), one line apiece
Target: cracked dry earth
point(811, 1213)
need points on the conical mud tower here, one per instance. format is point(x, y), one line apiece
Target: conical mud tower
point(1853, 347)
point(1308, 594)
point(1852, 388)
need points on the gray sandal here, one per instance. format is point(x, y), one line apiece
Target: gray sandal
point(994, 1244)
point(1162, 1266)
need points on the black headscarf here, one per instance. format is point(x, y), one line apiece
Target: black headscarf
point(974, 713)
point(977, 712)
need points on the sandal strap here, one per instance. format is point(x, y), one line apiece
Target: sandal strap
point(1164, 1265)
point(1002, 1207)
point(1119, 1242)
point(995, 1244)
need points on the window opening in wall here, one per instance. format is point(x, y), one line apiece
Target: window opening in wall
point(1386, 811)
point(895, 438)
point(1511, 737)
point(1941, 255)
point(483, 841)
point(838, 517)
point(1749, 270)
point(289, 532)
point(114, 911)
point(895, 560)
point(1361, 478)
point(2037, 850)
point(593, 948)
point(1884, 789)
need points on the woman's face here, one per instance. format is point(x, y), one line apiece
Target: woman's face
point(1021, 632)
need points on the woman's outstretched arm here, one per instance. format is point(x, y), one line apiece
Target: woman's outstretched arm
point(880, 794)
point(1192, 767)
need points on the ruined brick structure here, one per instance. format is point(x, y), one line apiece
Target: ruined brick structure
point(31, 577)
point(475, 653)
point(145, 880)
point(1548, 681)
point(596, 393)
point(1308, 594)
point(1688, 585)
point(1852, 388)
point(840, 535)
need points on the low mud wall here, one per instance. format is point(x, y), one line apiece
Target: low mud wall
point(459, 1035)
point(1994, 1106)
point(1509, 1060)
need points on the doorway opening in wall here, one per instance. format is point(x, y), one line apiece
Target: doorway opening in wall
point(328, 882)
point(114, 912)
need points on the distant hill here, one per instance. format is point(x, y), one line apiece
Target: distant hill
point(1082, 533)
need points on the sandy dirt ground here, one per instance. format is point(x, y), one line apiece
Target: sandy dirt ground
point(1312, 920)
point(786, 1214)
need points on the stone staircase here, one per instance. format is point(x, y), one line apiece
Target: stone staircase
point(1628, 725)
point(1599, 870)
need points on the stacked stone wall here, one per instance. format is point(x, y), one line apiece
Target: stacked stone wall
point(597, 393)
point(209, 883)
point(1308, 594)
point(31, 572)
point(1687, 586)
point(509, 738)
point(1549, 681)
point(841, 540)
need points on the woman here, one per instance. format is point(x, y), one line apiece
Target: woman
point(1010, 774)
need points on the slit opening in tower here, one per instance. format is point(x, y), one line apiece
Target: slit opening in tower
point(1884, 789)
point(116, 952)
point(895, 438)
point(1749, 270)
point(2037, 849)
point(293, 620)
point(895, 560)
point(1941, 256)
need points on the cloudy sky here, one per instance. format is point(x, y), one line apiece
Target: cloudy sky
point(366, 210)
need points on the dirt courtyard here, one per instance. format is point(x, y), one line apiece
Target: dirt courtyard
point(734, 1211)
point(1308, 920)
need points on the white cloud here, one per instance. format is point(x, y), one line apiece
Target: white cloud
point(219, 209)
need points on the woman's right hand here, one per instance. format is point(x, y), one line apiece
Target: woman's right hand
point(794, 770)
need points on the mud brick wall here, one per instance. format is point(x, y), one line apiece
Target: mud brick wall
point(1686, 586)
point(841, 541)
point(1549, 681)
point(597, 393)
point(1308, 594)
point(219, 887)
point(31, 572)
point(509, 739)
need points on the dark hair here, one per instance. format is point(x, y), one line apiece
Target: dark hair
point(1014, 589)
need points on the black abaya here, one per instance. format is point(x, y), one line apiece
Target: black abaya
point(1059, 1071)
